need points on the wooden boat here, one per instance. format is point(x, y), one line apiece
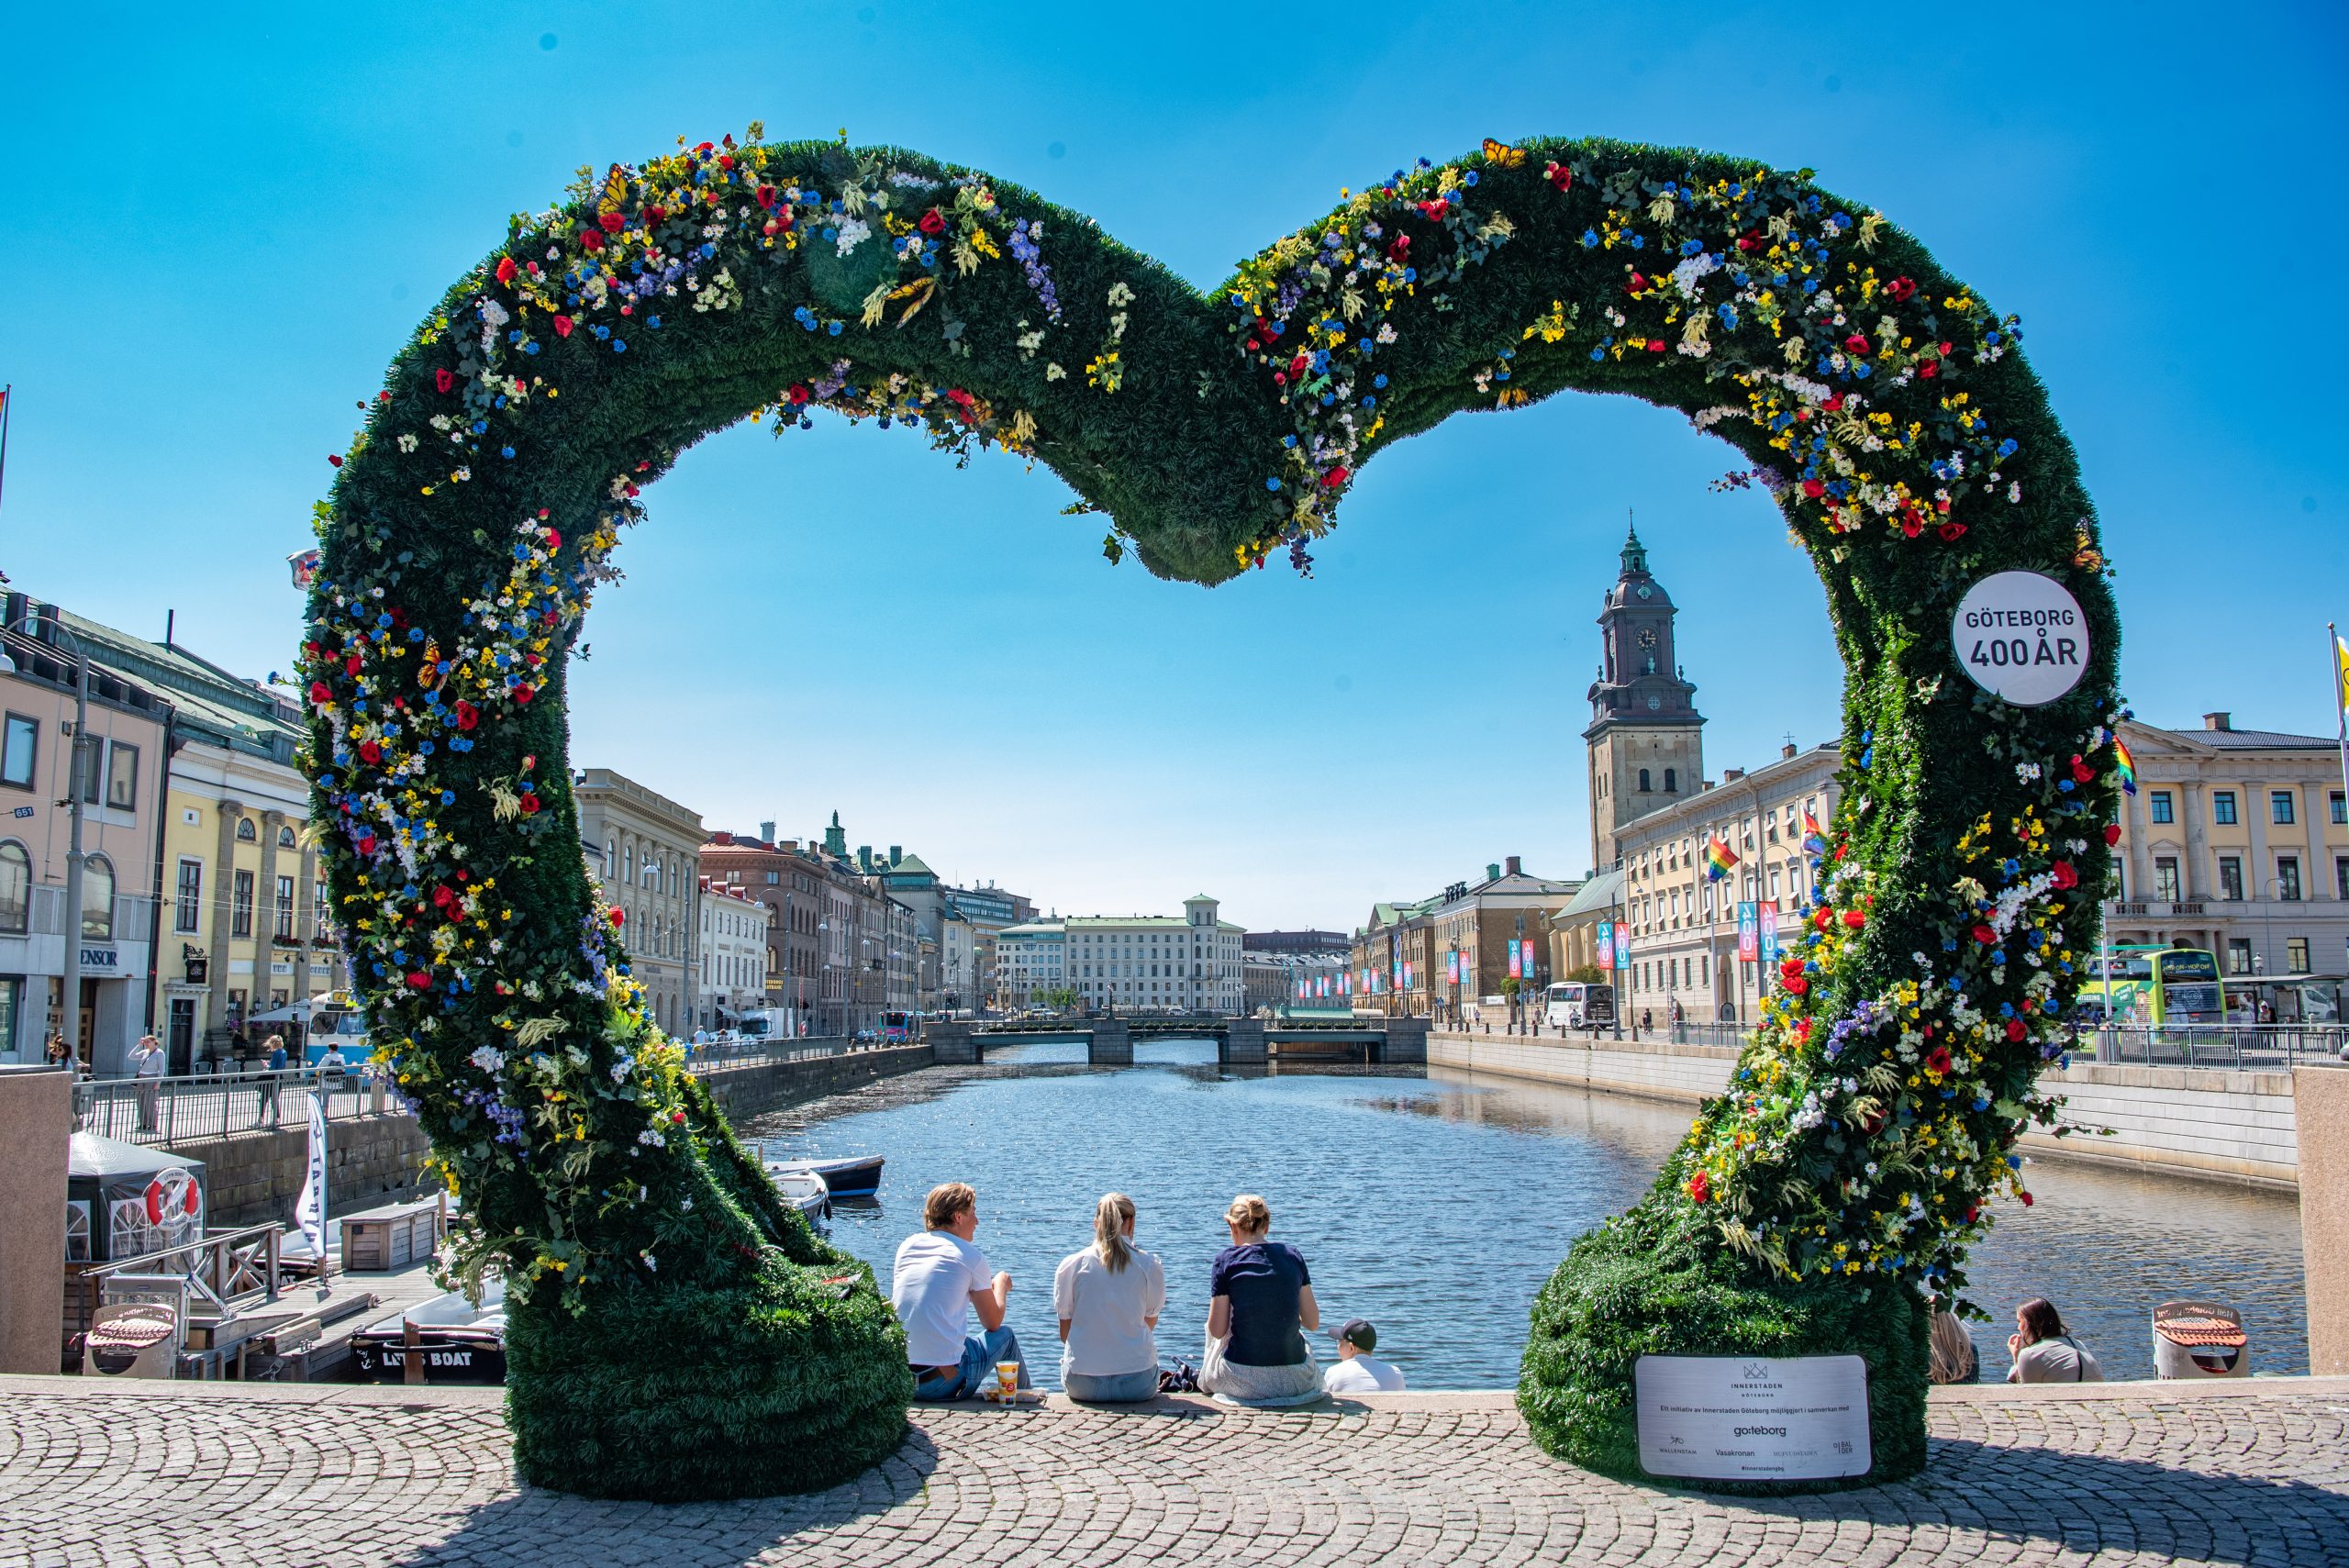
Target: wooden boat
point(455, 1340)
point(858, 1177)
point(804, 1190)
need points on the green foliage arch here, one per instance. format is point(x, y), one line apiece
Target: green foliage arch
point(676, 1332)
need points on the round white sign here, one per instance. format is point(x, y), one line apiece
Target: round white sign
point(2021, 637)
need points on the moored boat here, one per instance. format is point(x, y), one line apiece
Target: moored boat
point(456, 1341)
point(857, 1176)
point(804, 1190)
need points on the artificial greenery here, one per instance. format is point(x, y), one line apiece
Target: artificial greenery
point(1883, 405)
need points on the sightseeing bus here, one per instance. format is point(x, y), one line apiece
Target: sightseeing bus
point(1574, 1004)
point(2146, 984)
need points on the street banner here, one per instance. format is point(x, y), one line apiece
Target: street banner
point(1514, 972)
point(1749, 930)
point(1622, 945)
point(310, 1207)
point(1769, 933)
point(1606, 944)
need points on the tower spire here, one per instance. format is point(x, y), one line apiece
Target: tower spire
point(1635, 555)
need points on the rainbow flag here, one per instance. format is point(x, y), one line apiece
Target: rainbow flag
point(2126, 764)
point(1814, 840)
point(1717, 859)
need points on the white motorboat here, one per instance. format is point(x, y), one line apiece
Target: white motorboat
point(456, 1341)
point(804, 1190)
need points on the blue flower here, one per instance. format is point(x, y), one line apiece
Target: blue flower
point(1379, 380)
point(833, 328)
point(1469, 178)
point(1271, 485)
point(1590, 241)
point(506, 451)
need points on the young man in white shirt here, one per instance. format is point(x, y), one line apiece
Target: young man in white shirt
point(940, 1279)
point(1356, 1370)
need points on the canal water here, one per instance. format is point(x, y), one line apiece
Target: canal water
point(1436, 1204)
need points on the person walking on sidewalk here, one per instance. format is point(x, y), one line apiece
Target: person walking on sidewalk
point(146, 1069)
point(275, 1045)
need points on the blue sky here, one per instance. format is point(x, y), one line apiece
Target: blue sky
point(225, 222)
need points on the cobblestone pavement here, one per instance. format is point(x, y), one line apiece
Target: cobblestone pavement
point(237, 1475)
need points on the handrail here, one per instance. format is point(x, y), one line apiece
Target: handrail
point(223, 1269)
point(197, 1107)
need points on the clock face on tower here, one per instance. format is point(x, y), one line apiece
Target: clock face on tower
point(1647, 636)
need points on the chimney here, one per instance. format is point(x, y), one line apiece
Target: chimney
point(897, 853)
point(1731, 775)
point(766, 832)
point(720, 836)
point(1704, 785)
point(1787, 752)
point(2217, 721)
point(1513, 867)
point(1492, 872)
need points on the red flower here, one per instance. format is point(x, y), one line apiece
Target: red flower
point(1939, 1062)
point(1700, 1188)
point(2081, 772)
point(1401, 248)
point(1985, 935)
point(1858, 342)
point(530, 805)
point(655, 214)
point(369, 752)
point(766, 195)
point(1335, 477)
point(1813, 488)
point(619, 917)
point(320, 693)
point(334, 460)
point(420, 979)
point(1834, 404)
point(1822, 918)
point(1636, 284)
point(2014, 1031)
point(442, 898)
point(1655, 345)
point(678, 1117)
point(1558, 174)
point(562, 325)
point(2063, 874)
point(467, 715)
point(444, 381)
point(1950, 532)
point(931, 222)
point(1911, 525)
point(1798, 983)
point(591, 240)
point(613, 222)
point(2111, 833)
point(2026, 1198)
point(1929, 369)
point(1970, 1213)
point(505, 269)
point(1854, 919)
point(1901, 288)
point(1433, 211)
point(523, 694)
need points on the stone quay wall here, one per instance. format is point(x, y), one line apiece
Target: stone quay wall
point(752, 1087)
point(2199, 1121)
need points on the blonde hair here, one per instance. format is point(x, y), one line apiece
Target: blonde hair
point(1110, 1217)
point(1248, 1214)
point(939, 1210)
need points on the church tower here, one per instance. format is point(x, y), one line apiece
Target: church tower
point(1646, 737)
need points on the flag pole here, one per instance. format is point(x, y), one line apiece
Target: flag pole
point(5, 398)
point(2340, 693)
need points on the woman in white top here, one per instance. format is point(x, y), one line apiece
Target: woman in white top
point(1108, 1297)
point(2044, 1351)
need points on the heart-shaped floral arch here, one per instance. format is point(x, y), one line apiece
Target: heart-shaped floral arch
point(678, 1332)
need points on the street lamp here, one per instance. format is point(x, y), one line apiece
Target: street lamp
point(76, 770)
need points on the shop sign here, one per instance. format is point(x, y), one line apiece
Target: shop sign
point(105, 959)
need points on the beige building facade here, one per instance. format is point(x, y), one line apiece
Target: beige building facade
point(651, 873)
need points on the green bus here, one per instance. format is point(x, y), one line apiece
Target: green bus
point(2147, 983)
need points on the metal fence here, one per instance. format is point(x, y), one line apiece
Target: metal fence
point(751, 1050)
point(2215, 1045)
point(192, 1108)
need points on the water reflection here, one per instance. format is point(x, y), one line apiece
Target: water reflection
point(1435, 1205)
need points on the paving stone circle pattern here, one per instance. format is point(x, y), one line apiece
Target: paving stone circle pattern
point(178, 1476)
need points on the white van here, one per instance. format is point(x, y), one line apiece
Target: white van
point(1573, 1004)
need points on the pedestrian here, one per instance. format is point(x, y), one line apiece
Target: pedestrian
point(1107, 1298)
point(1953, 1357)
point(146, 1069)
point(1261, 1301)
point(1357, 1371)
point(275, 1045)
point(331, 1067)
point(2044, 1351)
point(940, 1279)
point(58, 1053)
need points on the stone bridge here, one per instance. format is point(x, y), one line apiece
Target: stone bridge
point(1239, 1042)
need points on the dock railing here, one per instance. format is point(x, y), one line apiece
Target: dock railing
point(197, 1106)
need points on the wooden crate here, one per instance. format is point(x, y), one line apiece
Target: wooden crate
point(379, 1241)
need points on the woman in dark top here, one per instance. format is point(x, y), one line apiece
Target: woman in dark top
point(1263, 1303)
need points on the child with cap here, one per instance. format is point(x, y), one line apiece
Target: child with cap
point(1357, 1371)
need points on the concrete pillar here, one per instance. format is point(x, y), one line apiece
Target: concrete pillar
point(35, 1123)
point(2321, 1117)
point(1112, 1044)
point(952, 1045)
point(1243, 1043)
point(1407, 1042)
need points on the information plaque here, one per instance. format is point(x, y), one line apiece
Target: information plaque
point(1745, 1419)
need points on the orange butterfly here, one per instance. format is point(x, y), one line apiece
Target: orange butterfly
point(1502, 157)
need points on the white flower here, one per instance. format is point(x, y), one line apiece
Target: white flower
point(488, 1058)
point(852, 233)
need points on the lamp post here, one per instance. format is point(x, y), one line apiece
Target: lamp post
point(76, 771)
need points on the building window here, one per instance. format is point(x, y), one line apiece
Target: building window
point(1671, 780)
point(285, 837)
point(97, 898)
point(19, 750)
point(1644, 786)
point(321, 909)
point(2341, 877)
point(2231, 878)
point(2339, 808)
point(2279, 806)
point(2296, 954)
point(2287, 878)
point(283, 923)
point(2238, 955)
point(2160, 806)
point(240, 905)
point(15, 888)
point(2222, 807)
point(2166, 878)
point(122, 777)
point(245, 834)
point(187, 907)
